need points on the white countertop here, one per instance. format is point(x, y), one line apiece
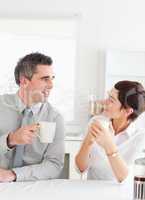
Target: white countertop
point(60, 189)
point(73, 138)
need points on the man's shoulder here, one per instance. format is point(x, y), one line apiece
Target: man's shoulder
point(7, 99)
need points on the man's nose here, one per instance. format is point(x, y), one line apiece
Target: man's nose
point(50, 84)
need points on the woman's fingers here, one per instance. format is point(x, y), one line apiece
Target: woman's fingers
point(99, 125)
point(94, 134)
point(95, 129)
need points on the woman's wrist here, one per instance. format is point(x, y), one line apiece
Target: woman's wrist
point(88, 142)
point(111, 149)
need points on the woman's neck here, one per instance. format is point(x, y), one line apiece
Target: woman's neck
point(120, 124)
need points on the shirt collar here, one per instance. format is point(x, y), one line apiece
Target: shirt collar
point(131, 129)
point(36, 108)
point(136, 125)
point(21, 106)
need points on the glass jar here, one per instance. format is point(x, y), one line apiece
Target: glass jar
point(96, 106)
point(139, 179)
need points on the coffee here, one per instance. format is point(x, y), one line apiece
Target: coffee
point(96, 108)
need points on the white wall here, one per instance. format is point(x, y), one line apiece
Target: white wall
point(103, 24)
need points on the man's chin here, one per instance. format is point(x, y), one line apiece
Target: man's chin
point(41, 99)
point(45, 98)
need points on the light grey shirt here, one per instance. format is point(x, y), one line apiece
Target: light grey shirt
point(41, 160)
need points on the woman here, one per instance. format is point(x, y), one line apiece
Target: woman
point(107, 153)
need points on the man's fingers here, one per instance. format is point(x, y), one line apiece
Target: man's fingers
point(30, 133)
point(33, 127)
point(29, 139)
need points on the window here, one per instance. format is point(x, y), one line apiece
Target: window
point(53, 37)
point(124, 65)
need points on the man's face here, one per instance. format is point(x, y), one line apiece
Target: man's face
point(40, 85)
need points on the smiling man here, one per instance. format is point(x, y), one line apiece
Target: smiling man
point(22, 156)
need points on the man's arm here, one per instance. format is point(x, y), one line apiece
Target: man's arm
point(22, 135)
point(52, 162)
point(4, 147)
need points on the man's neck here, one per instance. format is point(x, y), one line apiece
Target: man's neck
point(25, 97)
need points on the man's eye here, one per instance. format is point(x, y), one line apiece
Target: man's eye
point(48, 78)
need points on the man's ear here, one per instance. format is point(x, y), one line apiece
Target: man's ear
point(23, 81)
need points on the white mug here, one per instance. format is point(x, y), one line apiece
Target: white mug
point(46, 131)
point(103, 121)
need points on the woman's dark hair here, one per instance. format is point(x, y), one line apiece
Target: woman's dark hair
point(131, 95)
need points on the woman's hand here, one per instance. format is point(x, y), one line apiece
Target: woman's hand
point(100, 135)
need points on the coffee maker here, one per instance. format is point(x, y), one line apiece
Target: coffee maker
point(139, 179)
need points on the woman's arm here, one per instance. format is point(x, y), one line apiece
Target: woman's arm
point(83, 157)
point(104, 138)
point(117, 163)
point(98, 134)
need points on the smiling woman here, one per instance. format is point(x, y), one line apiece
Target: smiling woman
point(55, 37)
point(108, 153)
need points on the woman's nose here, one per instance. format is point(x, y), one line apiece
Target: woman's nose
point(106, 101)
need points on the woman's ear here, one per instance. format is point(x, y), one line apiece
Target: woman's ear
point(129, 111)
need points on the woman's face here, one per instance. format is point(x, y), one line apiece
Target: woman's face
point(113, 108)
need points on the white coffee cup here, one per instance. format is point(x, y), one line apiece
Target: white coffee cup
point(103, 121)
point(46, 131)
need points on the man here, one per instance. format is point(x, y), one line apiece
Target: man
point(22, 156)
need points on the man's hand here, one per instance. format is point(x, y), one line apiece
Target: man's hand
point(7, 175)
point(23, 135)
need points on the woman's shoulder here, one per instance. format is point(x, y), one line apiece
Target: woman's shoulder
point(137, 127)
point(140, 121)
